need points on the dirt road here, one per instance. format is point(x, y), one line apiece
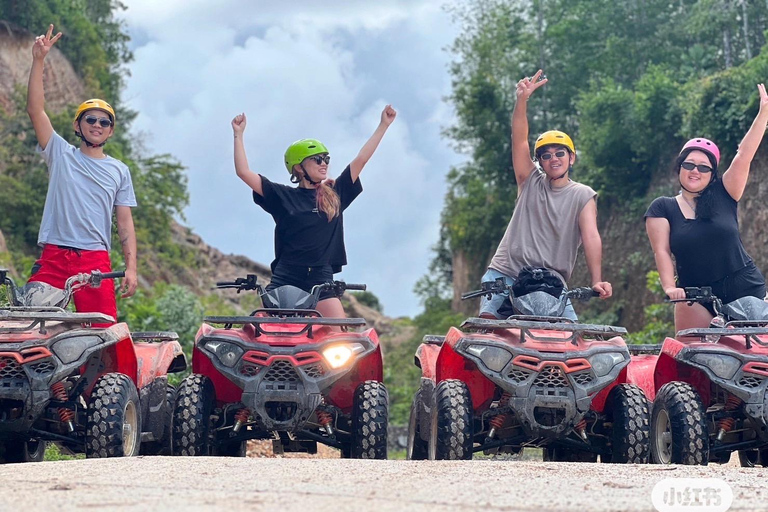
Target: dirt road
point(316, 485)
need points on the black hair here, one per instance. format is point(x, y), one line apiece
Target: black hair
point(705, 199)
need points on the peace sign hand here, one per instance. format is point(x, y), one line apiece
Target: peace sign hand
point(527, 85)
point(43, 44)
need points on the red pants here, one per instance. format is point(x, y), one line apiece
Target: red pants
point(56, 265)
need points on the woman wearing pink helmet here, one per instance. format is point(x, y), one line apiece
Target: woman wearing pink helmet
point(700, 227)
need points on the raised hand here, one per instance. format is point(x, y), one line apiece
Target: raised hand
point(238, 124)
point(388, 115)
point(44, 43)
point(527, 85)
point(763, 96)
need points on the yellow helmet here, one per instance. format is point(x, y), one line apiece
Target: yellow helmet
point(95, 104)
point(553, 137)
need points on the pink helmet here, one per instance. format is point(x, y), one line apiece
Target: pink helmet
point(705, 145)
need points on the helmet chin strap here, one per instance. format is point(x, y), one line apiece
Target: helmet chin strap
point(562, 175)
point(306, 176)
point(82, 137)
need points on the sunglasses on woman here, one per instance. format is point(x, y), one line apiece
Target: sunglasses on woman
point(103, 121)
point(689, 166)
point(319, 159)
point(559, 154)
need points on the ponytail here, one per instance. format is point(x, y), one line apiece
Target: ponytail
point(328, 200)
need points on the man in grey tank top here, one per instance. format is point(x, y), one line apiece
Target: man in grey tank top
point(85, 187)
point(553, 215)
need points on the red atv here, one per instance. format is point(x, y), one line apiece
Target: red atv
point(535, 379)
point(283, 373)
point(98, 391)
point(710, 387)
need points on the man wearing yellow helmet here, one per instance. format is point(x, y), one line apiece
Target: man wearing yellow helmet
point(553, 215)
point(309, 231)
point(85, 187)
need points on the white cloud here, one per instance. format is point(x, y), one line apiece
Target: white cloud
point(297, 71)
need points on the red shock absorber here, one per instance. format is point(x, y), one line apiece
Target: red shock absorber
point(325, 419)
point(497, 421)
point(727, 424)
point(581, 429)
point(65, 415)
point(242, 416)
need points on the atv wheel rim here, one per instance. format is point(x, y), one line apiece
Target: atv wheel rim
point(663, 432)
point(130, 427)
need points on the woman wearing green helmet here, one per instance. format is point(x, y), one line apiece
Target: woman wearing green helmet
point(309, 231)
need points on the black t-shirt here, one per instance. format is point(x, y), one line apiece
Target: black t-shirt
point(303, 235)
point(705, 251)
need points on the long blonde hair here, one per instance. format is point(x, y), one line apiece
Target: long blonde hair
point(328, 200)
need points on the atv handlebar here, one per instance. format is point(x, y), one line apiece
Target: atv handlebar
point(583, 293)
point(696, 294)
point(250, 282)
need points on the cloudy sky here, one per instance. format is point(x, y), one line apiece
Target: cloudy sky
point(300, 69)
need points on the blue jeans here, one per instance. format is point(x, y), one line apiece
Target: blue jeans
point(492, 305)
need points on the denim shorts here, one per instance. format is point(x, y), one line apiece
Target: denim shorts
point(492, 305)
point(302, 277)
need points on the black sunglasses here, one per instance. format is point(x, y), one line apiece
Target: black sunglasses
point(103, 121)
point(319, 159)
point(689, 166)
point(559, 154)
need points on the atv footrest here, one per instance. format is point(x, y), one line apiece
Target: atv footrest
point(644, 349)
point(154, 336)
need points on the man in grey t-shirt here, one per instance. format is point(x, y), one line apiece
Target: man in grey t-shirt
point(85, 187)
point(553, 215)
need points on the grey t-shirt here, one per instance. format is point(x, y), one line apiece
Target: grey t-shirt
point(82, 193)
point(544, 229)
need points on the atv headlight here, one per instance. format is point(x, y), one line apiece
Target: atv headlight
point(603, 363)
point(722, 365)
point(339, 355)
point(494, 358)
point(227, 353)
point(69, 350)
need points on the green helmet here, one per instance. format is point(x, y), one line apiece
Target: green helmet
point(301, 149)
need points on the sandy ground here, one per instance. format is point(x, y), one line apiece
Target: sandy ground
point(304, 485)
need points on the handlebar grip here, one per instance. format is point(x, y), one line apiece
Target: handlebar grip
point(360, 287)
point(113, 275)
point(224, 283)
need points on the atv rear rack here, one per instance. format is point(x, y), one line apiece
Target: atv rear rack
point(599, 332)
point(750, 334)
point(307, 322)
point(39, 316)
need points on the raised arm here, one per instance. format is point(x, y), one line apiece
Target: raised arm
point(35, 92)
point(593, 248)
point(658, 234)
point(521, 152)
point(366, 152)
point(735, 178)
point(244, 172)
